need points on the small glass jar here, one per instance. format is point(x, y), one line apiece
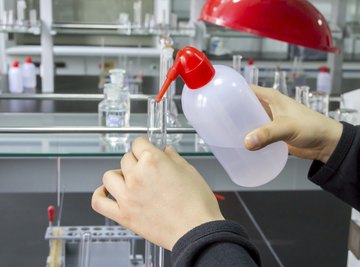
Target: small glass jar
point(114, 111)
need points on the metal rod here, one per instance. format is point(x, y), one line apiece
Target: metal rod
point(93, 97)
point(85, 97)
point(93, 26)
point(85, 129)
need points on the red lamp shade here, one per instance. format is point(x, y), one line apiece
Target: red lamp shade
point(292, 21)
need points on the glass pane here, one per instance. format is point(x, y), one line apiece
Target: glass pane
point(72, 145)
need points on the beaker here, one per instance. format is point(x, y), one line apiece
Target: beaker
point(319, 102)
point(156, 122)
point(280, 82)
point(302, 95)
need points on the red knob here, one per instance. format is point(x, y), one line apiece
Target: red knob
point(51, 213)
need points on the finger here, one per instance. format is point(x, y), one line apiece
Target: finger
point(268, 95)
point(171, 152)
point(141, 145)
point(128, 163)
point(113, 181)
point(280, 129)
point(103, 205)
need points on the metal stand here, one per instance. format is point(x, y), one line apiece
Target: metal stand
point(47, 54)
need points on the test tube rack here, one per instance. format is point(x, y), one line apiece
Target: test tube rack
point(107, 246)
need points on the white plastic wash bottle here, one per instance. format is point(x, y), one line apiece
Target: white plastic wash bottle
point(219, 104)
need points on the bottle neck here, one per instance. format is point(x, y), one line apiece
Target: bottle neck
point(112, 92)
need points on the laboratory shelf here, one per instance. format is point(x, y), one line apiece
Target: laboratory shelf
point(31, 162)
point(117, 29)
point(65, 50)
point(26, 28)
point(77, 135)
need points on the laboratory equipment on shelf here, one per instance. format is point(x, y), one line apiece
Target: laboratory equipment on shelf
point(254, 76)
point(280, 82)
point(20, 7)
point(15, 78)
point(166, 61)
point(247, 69)
point(323, 81)
point(319, 102)
point(137, 14)
point(236, 63)
point(114, 110)
point(29, 76)
point(219, 104)
point(302, 95)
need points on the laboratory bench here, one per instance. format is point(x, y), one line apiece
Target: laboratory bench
point(304, 225)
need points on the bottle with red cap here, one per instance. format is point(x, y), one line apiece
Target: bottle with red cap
point(323, 81)
point(15, 78)
point(29, 75)
point(222, 108)
point(247, 70)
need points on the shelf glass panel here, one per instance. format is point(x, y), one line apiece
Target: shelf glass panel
point(76, 145)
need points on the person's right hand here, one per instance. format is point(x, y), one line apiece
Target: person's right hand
point(309, 134)
point(157, 194)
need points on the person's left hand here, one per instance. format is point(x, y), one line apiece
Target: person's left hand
point(158, 195)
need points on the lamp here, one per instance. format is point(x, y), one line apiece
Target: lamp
point(292, 21)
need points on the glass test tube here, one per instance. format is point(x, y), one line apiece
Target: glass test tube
point(137, 13)
point(157, 122)
point(237, 63)
point(148, 258)
point(302, 95)
point(33, 17)
point(166, 62)
point(254, 76)
point(84, 253)
point(157, 136)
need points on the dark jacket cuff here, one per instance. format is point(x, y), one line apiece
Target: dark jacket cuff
point(320, 173)
point(194, 241)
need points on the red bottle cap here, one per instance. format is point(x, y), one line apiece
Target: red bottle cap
point(324, 69)
point(250, 61)
point(193, 67)
point(51, 213)
point(16, 64)
point(28, 60)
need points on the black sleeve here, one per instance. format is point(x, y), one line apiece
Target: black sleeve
point(341, 174)
point(217, 243)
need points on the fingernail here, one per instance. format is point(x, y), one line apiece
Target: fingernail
point(252, 141)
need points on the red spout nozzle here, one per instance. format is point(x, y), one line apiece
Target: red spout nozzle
point(170, 77)
point(193, 67)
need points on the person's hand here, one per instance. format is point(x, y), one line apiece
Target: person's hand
point(158, 195)
point(309, 134)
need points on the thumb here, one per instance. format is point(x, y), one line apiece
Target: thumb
point(267, 134)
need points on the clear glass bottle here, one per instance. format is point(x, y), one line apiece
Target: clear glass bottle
point(114, 110)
